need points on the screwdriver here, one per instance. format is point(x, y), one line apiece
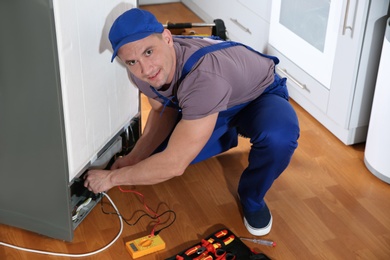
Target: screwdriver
point(260, 241)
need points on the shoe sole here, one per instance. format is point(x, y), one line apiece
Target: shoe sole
point(258, 231)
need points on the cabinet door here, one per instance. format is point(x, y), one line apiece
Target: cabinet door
point(246, 21)
point(306, 31)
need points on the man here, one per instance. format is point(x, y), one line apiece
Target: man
point(203, 94)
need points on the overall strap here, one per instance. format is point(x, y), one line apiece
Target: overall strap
point(193, 59)
point(170, 102)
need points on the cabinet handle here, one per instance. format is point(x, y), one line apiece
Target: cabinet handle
point(240, 25)
point(349, 27)
point(288, 75)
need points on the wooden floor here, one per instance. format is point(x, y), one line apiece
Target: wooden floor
point(326, 205)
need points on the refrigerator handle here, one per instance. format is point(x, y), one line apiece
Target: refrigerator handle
point(346, 24)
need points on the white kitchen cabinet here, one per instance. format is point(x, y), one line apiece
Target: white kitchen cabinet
point(246, 21)
point(330, 51)
point(306, 32)
point(64, 107)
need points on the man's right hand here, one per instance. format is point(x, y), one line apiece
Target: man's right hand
point(122, 162)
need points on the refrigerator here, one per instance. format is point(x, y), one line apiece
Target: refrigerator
point(64, 107)
point(376, 151)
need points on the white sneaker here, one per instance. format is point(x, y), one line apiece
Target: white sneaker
point(258, 231)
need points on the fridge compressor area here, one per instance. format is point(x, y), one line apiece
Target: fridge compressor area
point(83, 200)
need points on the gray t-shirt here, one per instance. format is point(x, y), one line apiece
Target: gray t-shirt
point(218, 81)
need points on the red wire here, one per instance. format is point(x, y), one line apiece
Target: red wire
point(146, 207)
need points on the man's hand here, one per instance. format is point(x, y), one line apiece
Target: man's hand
point(98, 181)
point(123, 162)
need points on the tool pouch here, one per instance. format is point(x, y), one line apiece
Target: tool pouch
point(221, 245)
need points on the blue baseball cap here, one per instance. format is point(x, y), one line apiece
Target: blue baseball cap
point(133, 25)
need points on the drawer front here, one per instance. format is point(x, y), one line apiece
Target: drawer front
point(300, 83)
point(246, 26)
point(261, 8)
point(245, 21)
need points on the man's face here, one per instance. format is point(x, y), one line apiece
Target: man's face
point(151, 59)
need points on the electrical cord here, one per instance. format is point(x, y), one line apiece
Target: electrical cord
point(154, 215)
point(75, 255)
point(77, 210)
point(143, 215)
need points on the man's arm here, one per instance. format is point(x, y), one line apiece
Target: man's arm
point(186, 141)
point(157, 128)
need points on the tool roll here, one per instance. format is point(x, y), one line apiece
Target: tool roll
point(221, 245)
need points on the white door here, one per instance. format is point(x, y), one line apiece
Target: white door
point(306, 32)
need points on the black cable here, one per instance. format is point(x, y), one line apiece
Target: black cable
point(143, 215)
point(174, 218)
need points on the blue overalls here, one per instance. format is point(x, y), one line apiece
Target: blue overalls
point(269, 121)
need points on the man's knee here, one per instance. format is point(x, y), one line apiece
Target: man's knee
point(281, 141)
point(275, 148)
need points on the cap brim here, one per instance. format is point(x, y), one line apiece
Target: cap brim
point(128, 39)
